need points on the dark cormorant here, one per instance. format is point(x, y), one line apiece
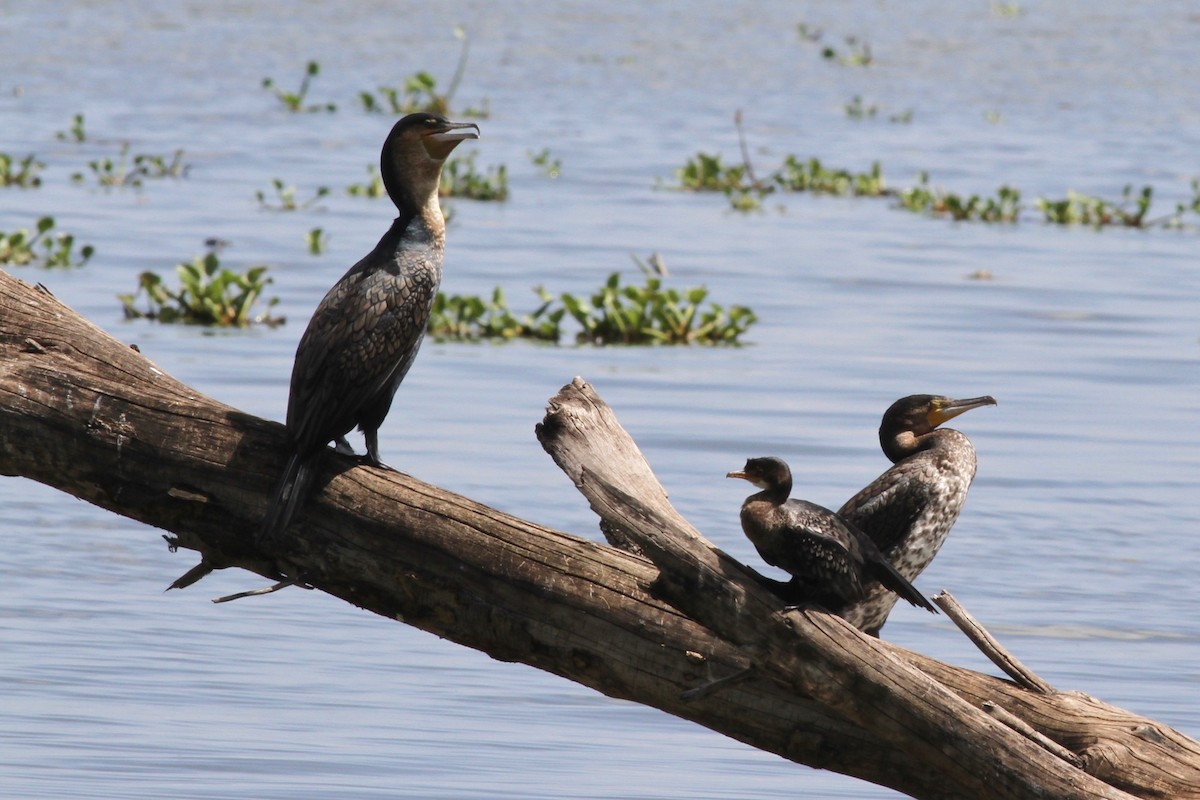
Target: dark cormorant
point(831, 562)
point(908, 511)
point(365, 333)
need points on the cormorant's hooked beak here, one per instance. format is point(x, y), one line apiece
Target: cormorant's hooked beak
point(455, 132)
point(757, 481)
point(945, 409)
point(440, 142)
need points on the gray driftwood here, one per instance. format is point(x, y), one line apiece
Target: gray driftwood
point(681, 627)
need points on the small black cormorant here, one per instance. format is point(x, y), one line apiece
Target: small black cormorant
point(365, 333)
point(831, 562)
point(909, 509)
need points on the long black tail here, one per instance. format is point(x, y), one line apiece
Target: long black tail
point(290, 493)
point(886, 574)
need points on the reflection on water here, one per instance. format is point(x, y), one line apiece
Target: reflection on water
point(1077, 543)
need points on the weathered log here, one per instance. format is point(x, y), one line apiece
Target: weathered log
point(83, 413)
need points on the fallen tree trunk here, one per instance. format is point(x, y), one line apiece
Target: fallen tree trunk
point(683, 627)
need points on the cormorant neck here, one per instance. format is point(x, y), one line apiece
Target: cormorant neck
point(411, 179)
point(906, 443)
point(408, 203)
point(777, 494)
point(428, 215)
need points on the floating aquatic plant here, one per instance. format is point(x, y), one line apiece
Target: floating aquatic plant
point(43, 247)
point(1082, 209)
point(22, 173)
point(420, 92)
point(317, 240)
point(460, 178)
point(550, 167)
point(295, 101)
point(1006, 10)
point(372, 188)
point(75, 133)
point(654, 314)
point(207, 295)
point(285, 197)
point(126, 171)
point(925, 199)
point(858, 110)
point(857, 53)
point(469, 317)
point(614, 314)
point(812, 176)
point(709, 173)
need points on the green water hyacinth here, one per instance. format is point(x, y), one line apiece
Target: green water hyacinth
point(926, 199)
point(22, 173)
point(285, 197)
point(813, 176)
point(207, 295)
point(373, 188)
point(709, 173)
point(467, 318)
point(126, 171)
point(316, 240)
point(420, 93)
point(75, 133)
point(550, 167)
point(1083, 209)
point(615, 314)
point(460, 178)
point(295, 101)
point(43, 247)
point(652, 314)
point(857, 53)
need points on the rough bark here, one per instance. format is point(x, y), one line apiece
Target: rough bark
point(683, 628)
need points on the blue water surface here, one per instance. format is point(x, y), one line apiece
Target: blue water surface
point(1077, 547)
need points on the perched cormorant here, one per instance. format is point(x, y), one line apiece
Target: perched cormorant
point(832, 562)
point(365, 333)
point(908, 511)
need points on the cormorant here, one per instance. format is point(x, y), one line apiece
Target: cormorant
point(365, 333)
point(831, 562)
point(909, 509)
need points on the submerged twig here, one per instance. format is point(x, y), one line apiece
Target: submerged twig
point(737, 121)
point(461, 67)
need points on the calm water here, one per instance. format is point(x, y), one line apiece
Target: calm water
point(1078, 545)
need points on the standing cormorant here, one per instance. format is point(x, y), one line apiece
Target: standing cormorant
point(908, 511)
point(831, 562)
point(365, 333)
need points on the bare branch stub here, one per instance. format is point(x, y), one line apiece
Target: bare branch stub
point(990, 646)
